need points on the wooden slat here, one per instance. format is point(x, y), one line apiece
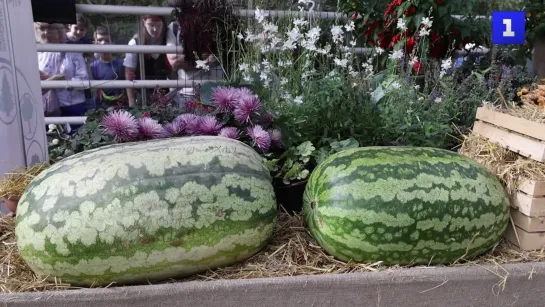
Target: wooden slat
point(533, 188)
point(529, 206)
point(527, 223)
point(526, 240)
point(522, 145)
point(517, 124)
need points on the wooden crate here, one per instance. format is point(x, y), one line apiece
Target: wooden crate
point(526, 240)
point(530, 198)
point(520, 135)
point(528, 223)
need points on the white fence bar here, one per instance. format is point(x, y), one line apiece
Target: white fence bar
point(76, 120)
point(121, 84)
point(108, 48)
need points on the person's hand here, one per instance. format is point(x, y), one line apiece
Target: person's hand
point(179, 61)
point(44, 75)
point(56, 77)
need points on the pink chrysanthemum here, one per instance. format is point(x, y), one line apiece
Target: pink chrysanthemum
point(150, 129)
point(242, 93)
point(246, 107)
point(191, 122)
point(209, 125)
point(276, 137)
point(260, 137)
point(224, 98)
point(121, 125)
point(230, 132)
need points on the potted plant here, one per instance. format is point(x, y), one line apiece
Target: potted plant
point(14, 184)
point(291, 170)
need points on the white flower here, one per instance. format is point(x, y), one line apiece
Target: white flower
point(299, 22)
point(248, 78)
point(379, 50)
point(341, 62)
point(269, 27)
point(202, 64)
point(396, 55)
point(446, 64)
point(417, 87)
point(401, 25)
point(283, 81)
point(424, 32)
point(414, 60)
point(469, 46)
point(243, 67)
point(350, 26)
point(368, 68)
point(420, 98)
point(337, 33)
point(55, 142)
point(240, 36)
point(427, 22)
point(298, 100)
point(396, 85)
point(260, 15)
point(52, 127)
point(438, 100)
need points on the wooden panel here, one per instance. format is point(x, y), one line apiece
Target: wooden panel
point(529, 206)
point(527, 223)
point(522, 145)
point(533, 188)
point(526, 240)
point(517, 124)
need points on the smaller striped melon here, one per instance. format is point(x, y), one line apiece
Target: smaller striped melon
point(404, 205)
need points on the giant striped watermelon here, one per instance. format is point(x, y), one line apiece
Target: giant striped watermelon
point(134, 212)
point(404, 205)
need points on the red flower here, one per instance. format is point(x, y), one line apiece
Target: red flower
point(437, 51)
point(355, 16)
point(410, 11)
point(146, 114)
point(434, 37)
point(409, 45)
point(455, 32)
point(417, 66)
point(394, 40)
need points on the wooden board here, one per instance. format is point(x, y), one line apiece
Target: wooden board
point(533, 188)
point(522, 145)
point(513, 123)
point(527, 223)
point(526, 240)
point(528, 205)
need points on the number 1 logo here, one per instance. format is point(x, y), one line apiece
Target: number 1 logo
point(508, 28)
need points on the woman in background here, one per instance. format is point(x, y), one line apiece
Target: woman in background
point(157, 66)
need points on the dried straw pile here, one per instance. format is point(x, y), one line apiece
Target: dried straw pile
point(291, 252)
point(15, 183)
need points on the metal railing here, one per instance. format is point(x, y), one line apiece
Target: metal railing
point(149, 49)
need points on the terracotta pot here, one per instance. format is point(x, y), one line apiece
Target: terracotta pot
point(11, 203)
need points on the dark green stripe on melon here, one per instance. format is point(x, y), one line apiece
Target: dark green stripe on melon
point(404, 205)
point(151, 210)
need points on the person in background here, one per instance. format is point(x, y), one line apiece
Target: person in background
point(157, 66)
point(77, 34)
point(107, 67)
point(61, 66)
point(185, 64)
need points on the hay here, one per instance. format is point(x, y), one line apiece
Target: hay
point(15, 183)
point(509, 166)
point(290, 252)
point(530, 112)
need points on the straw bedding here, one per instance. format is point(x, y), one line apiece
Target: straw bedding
point(290, 252)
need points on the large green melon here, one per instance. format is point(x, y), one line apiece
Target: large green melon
point(404, 205)
point(129, 213)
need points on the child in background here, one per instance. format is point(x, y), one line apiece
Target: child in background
point(107, 67)
point(77, 34)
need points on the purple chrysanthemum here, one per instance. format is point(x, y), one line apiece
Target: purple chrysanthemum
point(208, 125)
point(150, 129)
point(242, 93)
point(229, 132)
point(121, 125)
point(224, 98)
point(191, 122)
point(260, 137)
point(276, 137)
point(246, 107)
